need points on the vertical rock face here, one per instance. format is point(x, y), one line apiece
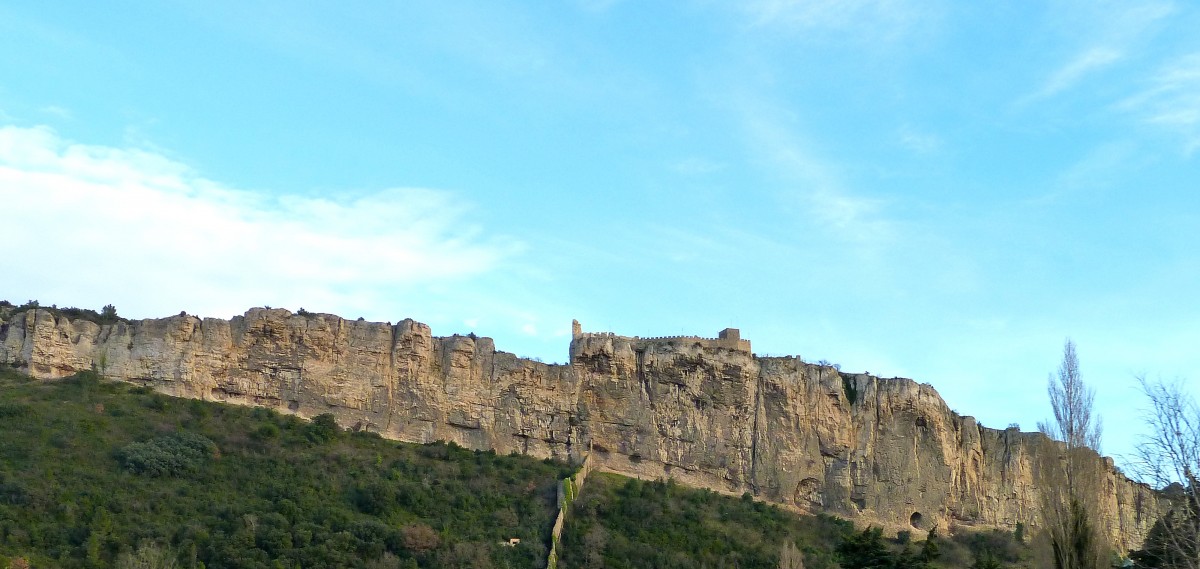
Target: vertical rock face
point(704, 411)
point(397, 380)
point(670, 407)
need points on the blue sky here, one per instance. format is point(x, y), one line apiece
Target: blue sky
point(936, 190)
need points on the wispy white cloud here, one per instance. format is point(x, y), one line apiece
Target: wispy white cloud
point(694, 166)
point(1095, 173)
point(501, 44)
point(597, 6)
point(148, 232)
point(881, 20)
point(1112, 23)
point(681, 245)
point(1102, 36)
point(919, 141)
point(57, 111)
point(815, 185)
point(1172, 100)
point(1071, 73)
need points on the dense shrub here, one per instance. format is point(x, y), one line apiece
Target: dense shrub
point(323, 428)
point(170, 455)
point(620, 522)
point(15, 411)
point(995, 545)
point(849, 387)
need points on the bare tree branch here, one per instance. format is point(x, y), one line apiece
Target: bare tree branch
point(1169, 458)
point(1069, 473)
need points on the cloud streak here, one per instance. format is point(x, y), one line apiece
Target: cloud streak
point(1104, 36)
point(152, 234)
point(1172, 100)
point(919, 142)
point(1074, 71)
point(863, 20)
point(814, 184)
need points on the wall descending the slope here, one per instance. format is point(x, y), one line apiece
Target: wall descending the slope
point(708, 413)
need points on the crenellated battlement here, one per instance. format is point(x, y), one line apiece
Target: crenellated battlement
point(729, 338)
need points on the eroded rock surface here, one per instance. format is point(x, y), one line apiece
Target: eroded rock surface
point(704, 411)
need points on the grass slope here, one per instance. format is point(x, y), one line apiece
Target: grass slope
point(99, 474)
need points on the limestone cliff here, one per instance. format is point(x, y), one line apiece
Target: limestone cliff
point(704, 411)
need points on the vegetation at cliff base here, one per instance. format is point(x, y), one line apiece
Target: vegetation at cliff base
point(620, 523)
point(97, 474)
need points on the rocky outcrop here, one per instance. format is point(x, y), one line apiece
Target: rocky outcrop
point(706, 412)
point(805, 435)
point(395, 379)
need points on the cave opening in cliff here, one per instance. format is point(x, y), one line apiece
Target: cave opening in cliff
point(915, 519)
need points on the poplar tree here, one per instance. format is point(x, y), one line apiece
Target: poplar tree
point(1069, 473)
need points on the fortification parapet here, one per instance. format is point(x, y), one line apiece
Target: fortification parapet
point(728, 339)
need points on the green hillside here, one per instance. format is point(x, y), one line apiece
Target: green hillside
point(97, 474)
point(620, 523)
